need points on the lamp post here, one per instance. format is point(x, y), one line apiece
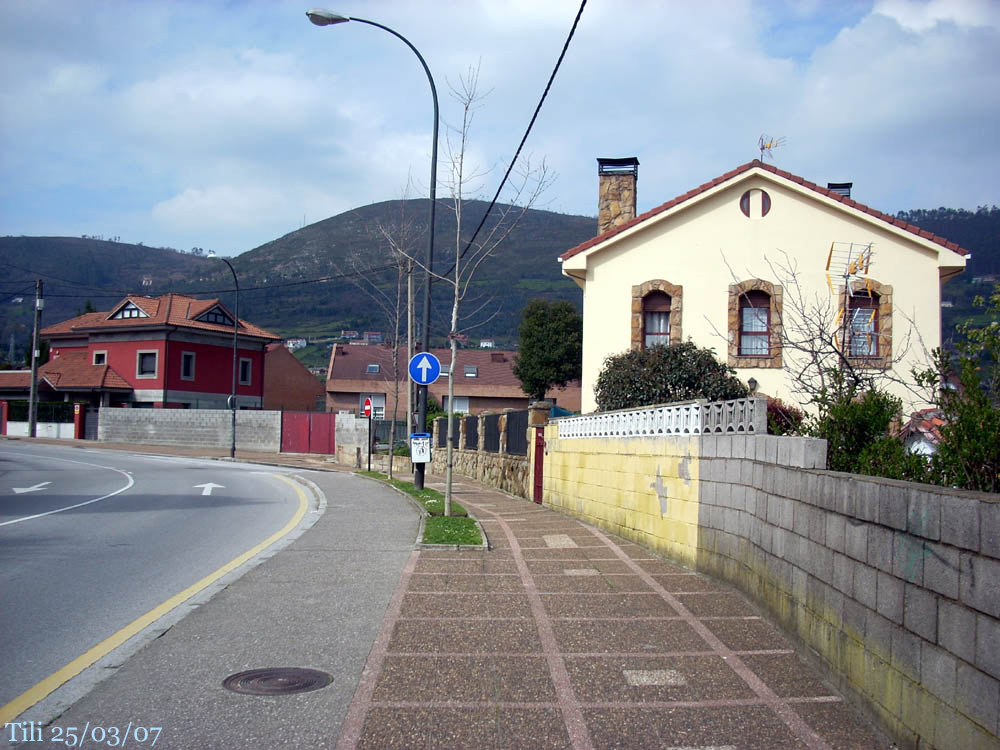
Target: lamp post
point(236, 324)
point(322, 17)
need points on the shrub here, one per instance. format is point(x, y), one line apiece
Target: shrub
point(663, 374)
point(783, 419)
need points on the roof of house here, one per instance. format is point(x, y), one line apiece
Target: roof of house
point(493, 367)
point(170, 309)
point(15, 379)
point(757, 164)
point(74, 370)
point(926, 424)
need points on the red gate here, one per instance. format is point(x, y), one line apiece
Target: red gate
point(308, 432)
point(539, 462)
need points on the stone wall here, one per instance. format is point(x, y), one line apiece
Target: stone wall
point(895, 586)
point(200, 428)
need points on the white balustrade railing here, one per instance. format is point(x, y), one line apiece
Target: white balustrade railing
point(746, 416)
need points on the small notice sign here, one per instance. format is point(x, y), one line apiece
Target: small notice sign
point(420, 447)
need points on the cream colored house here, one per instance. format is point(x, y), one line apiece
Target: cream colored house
point(751, 264)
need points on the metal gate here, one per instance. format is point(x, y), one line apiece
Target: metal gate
point(308, 432)
point(539, 462)
point(90, 424)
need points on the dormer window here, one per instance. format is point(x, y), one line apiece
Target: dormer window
point(128, 310)
point(373, 369)
point(218, 316)
point(471, 371)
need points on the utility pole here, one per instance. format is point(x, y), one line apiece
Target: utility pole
point(33, 397)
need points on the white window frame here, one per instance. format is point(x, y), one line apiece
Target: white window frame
point(103, 353)
point(156, 364)
point(185, 355)
point(249, 378)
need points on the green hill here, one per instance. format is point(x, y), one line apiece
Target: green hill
point(301, 284)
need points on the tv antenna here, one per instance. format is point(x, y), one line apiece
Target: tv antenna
point(852, 262)
point(767, 144)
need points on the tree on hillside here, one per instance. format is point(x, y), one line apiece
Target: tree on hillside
point(664, 374)
point(550, 349)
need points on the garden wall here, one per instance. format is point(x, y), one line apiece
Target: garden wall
point(895, 586)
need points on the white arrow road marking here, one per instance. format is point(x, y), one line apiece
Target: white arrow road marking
point(209, 486)
point(39, 486)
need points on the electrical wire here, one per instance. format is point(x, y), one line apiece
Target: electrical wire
point(524, 138)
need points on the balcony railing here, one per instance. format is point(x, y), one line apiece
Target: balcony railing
point(740, 416)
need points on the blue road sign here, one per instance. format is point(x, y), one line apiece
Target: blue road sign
point(424, 368)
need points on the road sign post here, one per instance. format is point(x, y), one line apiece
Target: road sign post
point(424, 368)
point(368, 414)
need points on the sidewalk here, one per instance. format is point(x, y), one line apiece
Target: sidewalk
point(559, 636)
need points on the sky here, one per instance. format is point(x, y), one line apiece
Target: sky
point(226, 124)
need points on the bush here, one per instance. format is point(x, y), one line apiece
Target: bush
point(857, 426)
point(783, 419)
point(664, 374)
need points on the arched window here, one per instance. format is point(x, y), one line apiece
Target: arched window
point(863, 331)
point(656, 314)
point(755, 324)
point(656, 319)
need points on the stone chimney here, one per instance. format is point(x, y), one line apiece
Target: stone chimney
point(616, 192)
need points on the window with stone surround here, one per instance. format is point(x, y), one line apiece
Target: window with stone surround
point(868, 324)
point(754, 324)
point(656, 313)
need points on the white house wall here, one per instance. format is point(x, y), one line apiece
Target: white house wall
point(706, 244)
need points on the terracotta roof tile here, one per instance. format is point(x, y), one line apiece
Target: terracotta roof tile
point(170, 309)
point(756, 163)
point(74, 371)
point(15, 379)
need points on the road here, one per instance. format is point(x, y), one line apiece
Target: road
point(91, 540)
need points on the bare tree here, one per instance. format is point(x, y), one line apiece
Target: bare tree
point(815, 341)
point(463, 181)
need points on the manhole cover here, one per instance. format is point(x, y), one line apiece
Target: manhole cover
point(277, 681)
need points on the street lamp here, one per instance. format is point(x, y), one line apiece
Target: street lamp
point(236, 324)
point(322, 17)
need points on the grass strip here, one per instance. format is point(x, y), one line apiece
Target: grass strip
point(451, 530)
point(457, 528)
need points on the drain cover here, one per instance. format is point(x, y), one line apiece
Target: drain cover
point(277, 681)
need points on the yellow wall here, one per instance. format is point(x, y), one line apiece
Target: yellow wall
point(706, 244)
point(641, 489)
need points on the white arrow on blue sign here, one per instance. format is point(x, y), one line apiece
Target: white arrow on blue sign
point(424, 368)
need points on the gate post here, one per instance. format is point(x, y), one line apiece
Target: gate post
point(538, 415)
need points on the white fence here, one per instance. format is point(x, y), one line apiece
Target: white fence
point(742, 416)
point(42, 429)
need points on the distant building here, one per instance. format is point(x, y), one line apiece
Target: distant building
point(293, 344)
point(172, 351)
point(484, 381)
point(487, 344)
point(349, 335)
point(373, 337)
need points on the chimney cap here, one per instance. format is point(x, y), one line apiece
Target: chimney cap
point(628, 165)
point(843, 188)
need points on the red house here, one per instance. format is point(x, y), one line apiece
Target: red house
point(172, 351)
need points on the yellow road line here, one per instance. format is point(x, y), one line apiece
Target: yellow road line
point(32, 695)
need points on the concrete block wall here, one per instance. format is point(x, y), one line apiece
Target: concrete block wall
point(895, 586)
point(202, 428)
point(351, 433)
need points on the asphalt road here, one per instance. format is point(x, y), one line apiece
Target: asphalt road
point(92, 540)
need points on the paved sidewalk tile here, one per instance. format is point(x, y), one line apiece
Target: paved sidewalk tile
point(563, 636)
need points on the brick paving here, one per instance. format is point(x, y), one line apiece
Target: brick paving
point(562, 636)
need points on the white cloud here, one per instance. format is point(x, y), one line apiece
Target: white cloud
point(923, 15)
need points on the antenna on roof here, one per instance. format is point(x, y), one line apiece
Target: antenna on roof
point(852, 262)
point(767, 144)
